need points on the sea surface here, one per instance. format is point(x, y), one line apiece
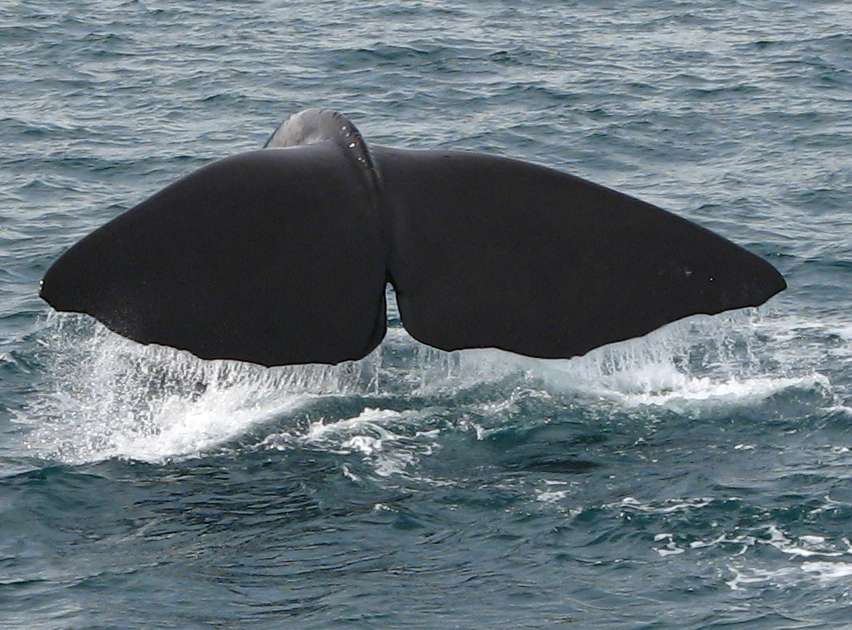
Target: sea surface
point(700, 477)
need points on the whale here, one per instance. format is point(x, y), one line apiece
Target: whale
point(282, 256)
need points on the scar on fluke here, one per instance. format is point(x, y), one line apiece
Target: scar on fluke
point(281, 256)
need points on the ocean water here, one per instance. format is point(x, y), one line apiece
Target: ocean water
point(700, 477)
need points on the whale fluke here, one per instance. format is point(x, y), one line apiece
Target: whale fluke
point(281, 256)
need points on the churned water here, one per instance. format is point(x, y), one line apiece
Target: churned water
point(697, 478)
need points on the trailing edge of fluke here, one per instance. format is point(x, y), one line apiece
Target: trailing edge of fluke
point(281, 256)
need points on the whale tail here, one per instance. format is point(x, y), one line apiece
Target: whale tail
point(281, 256)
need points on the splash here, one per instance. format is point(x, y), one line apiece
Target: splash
point(694, 365)
point(111, 398)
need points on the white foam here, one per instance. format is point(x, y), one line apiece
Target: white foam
point(550, 494)
point(188, 427)
point(844, 331)
point(320, 432)
point(113, 398)
point(807, 546)
point(828, 571)
point(156, 429)
point(378, 435)
point(824, 571)
point(810, 555)
point(670, 548)
point(668, 506)
point(691, 365)
point(755, 576)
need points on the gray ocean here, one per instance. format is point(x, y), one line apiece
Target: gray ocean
point(700, 477)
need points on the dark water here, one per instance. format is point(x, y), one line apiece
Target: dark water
point(698, 478)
